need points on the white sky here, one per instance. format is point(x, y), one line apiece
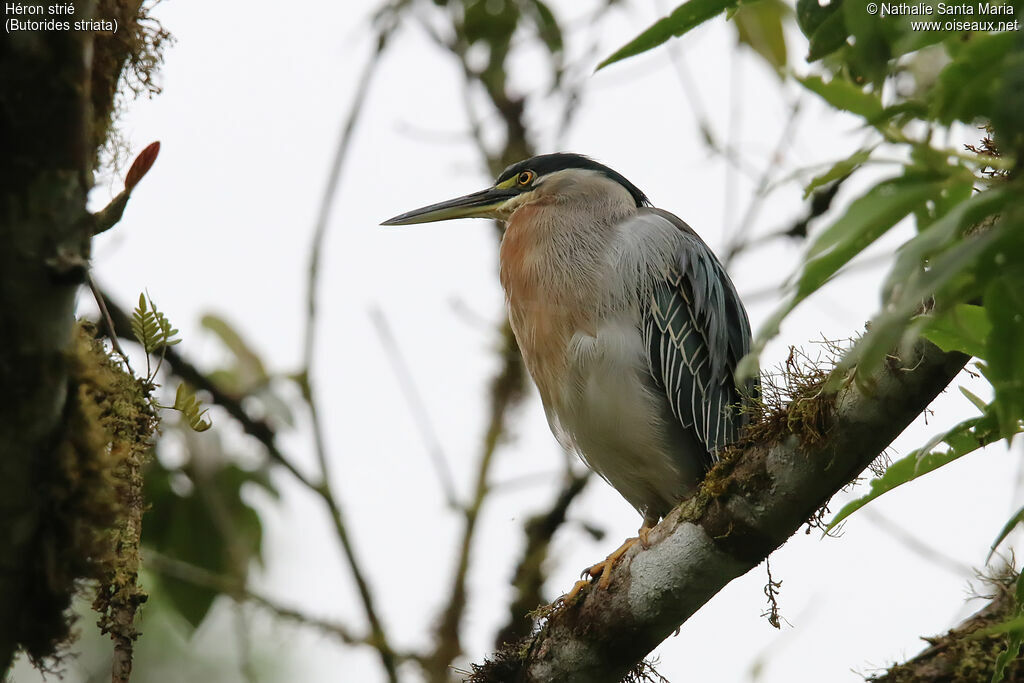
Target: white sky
point(254, 95)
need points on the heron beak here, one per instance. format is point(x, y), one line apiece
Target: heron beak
point(483, 204)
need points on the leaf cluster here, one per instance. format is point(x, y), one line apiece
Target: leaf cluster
point(151, 327)
point(200, 515)
point(155, 334)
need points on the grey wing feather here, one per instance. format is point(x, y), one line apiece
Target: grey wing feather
point(696, 330)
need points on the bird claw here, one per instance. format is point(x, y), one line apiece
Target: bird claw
point(602, 569)
point(577, 587)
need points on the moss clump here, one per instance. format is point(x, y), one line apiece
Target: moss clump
point(794, 399)
point(130, 421)
point(83, 494)
point(505, 665)
point(125, 62)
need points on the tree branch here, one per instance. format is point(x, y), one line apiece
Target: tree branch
point(325, 489)
point(178, 365)
point(747, 506)
point(197, 576)
point(962, 654)
point(506, 392)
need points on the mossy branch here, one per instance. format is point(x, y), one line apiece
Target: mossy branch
point(966, 652)
point(748, 506)
point(123, 412)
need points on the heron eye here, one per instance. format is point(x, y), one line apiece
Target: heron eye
point(525, 178)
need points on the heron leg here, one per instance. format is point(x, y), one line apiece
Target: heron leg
point(643, 534)
point(604, 568)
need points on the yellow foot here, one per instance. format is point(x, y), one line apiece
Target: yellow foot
point(643, 533)
point(604, 568)
point(571, 595)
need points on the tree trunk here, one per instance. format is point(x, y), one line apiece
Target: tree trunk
point(56, 97)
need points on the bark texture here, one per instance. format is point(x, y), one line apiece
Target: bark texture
point(747, 507)
point(45, 236)
point(56, 99)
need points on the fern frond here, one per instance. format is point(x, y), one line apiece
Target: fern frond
point(151, 327)
point(166, 331)
point(145, 326)
point(188, 405)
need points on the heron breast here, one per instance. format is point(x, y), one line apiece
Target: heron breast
point(546, 306)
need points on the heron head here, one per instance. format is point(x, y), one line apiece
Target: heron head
point(544, 176)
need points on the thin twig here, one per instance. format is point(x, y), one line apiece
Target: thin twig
point(105, 314)
point(525, 481)
point(203, 578)
point(732, 133)
point(507, 386)
point(378, 636)
point(775, 291)
point(691, 95)
point(331, 188)
point(738, 240)
point(506, 391)
point(771, 591)
point(416, 405)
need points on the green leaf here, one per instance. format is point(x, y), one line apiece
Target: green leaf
point(167, 332)
point(1010, 525)
point(248, 373)
point(840, 169)
point(968, 87)
point(1004, 302)
point(1014, 636)
point(867, 57)
point(947, 279)
point(940, 235)
point(683, 18)
point(978, 402)
point(144, 325)
point(830, 36)
point(842, 94)
point(824, 27)
point(966, 437)
point(188, 405)
point(209, 525)
point(811, 14)
point(1009, 97)
point(547, 26)
point(940, 263)
point(1005, 627)
point(964, 328)
point(867, 218)
point(151, 328)
point(760, 25)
